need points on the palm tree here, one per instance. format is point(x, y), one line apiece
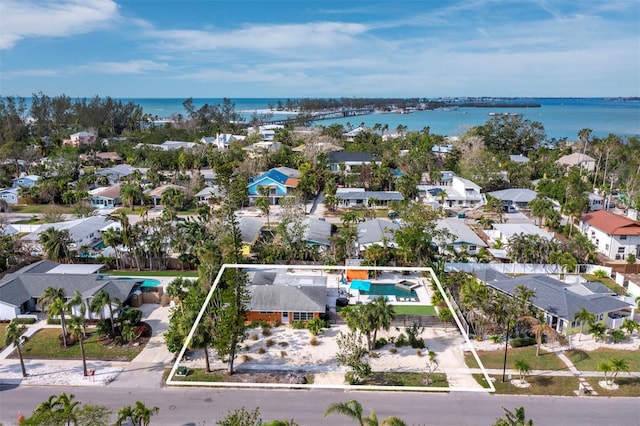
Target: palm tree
point(374, 253)
point(78, 301)
point(56, 244)
point(584, 316)
point(618, 365)
point(540, 329)
point(14, 337)
point(139, 415)
point(598, 329)
point(353, 410)
point(76, 329)
point(516, 418)
point(630, 325)
point(485, 222)
point(606, 368)
point(113, 238)
point(382, 315)
point(101, 299)
point(523, 368)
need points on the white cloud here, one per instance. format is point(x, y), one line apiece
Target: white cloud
point(28, 18)
point(315, 35)
point(129, 67)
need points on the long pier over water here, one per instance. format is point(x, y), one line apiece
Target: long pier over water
point(322, 115)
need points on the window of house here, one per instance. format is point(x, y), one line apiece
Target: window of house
point(606, 247)
point(302, 316)
point(623, 237)
point(620, 250)
point(472, 248)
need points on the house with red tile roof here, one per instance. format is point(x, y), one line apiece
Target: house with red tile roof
point(613, 235)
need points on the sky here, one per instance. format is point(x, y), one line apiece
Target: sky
point(313, 48)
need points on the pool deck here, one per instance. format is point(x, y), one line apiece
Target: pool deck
point(422, 290)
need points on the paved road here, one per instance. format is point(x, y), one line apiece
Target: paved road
point(187, 406)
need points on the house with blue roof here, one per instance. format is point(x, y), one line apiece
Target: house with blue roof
point(280, 181)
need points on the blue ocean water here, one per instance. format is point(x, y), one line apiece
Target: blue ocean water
point(561, 117)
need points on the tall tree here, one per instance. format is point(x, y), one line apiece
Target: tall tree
point(585, 317)
point(76, 329)
point(56, 244)
point(101, 299)
point(14, 336)
point(138, 415)
point(353, 410)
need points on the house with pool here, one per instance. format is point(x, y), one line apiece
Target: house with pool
point(20, 291)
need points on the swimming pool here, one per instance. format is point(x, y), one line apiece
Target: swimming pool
point(148, 282)
point(388, 289)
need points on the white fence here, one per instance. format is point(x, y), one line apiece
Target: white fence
point(523, 268)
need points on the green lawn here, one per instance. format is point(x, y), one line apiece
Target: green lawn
point(41, 208)
point(3, 334)
point(31, 221)
point(540, 385)
point(414, 310)
point(629, 386)
point(589, 360)
point(607, 282)
point(391, 378)
point(495, 359)
point(46, 344)
point(133, 273)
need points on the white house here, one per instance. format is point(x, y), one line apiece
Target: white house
point(105, 197)
point(578, 159)
point(596, 202)
point(456, 192)
point(614, 236)
point(222, 140)
point(80, 138)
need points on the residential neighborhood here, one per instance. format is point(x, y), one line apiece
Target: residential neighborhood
point(403, 244)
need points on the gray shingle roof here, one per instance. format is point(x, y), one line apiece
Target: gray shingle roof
point(280, 298)
point(373, 231)
point(463, 234)
point(316, 231)
point(17, 288)
point(554, 296)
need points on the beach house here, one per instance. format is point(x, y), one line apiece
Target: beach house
point(614, 236)
point(280, 182)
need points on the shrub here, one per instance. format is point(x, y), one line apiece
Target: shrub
point(283, 344)
point(254, 336)
point(246, 358)
point(262, 351)
point(520, 342)
point(277, 323)
point(283, 354)
point(314, 341)
point(298, 325)
point(401, 340)
point(419, 352)
point(381, 342)
point(315, 325)
point(24, 320)
point(270, 343)
point(53, 321)
point(393, 350)
point(495, 338)
point(600, 273)
point(266, 330)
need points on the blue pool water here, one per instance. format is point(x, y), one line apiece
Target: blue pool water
point(149, 282)
point(381, 289)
